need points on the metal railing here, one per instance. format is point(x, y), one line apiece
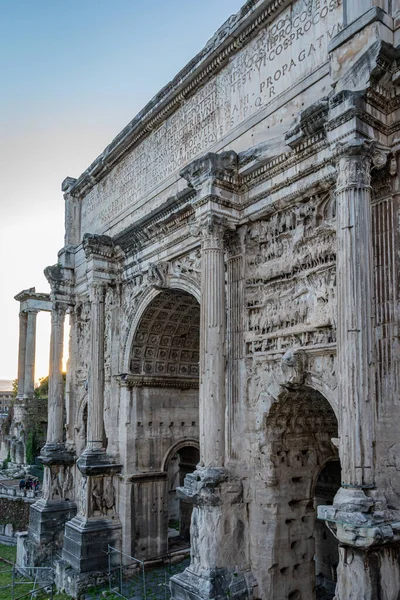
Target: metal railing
point(130, 577)
point(38, 576)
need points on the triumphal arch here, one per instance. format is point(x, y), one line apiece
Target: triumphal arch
point(231, 273)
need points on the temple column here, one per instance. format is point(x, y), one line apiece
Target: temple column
point(218, 559)
point(49, 514)
point(55, 426)
point(29, 379)
point(366, 530)
point(23, 326)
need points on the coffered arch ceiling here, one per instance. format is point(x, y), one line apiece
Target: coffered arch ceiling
point(166, 342)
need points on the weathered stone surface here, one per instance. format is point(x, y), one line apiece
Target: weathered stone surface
point(231, 272)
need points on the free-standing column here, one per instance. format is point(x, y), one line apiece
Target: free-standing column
point(212, 345)
point(55, 427)
point(355, 310)
point(23, 326)
point(96, 382)
point(29, 382)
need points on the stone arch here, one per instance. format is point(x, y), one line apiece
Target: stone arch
point(161, 373)
point(317, 384)
point(180, 461)
point(181, 283)
point(175, 448)
point(300, 426)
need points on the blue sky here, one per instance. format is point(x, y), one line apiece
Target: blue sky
point(73, 73)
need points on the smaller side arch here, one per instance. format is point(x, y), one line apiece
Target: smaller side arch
point(175, 448)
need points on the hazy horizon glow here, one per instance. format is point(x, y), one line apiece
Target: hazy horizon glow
point(73, 75)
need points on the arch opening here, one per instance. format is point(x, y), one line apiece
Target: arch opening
point(164, 377)
point(302, 429)
point(182, 463)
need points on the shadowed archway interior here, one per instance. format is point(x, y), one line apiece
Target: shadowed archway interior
point(302, 428)
point(164, 378)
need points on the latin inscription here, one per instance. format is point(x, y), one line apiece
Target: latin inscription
point(285, 52)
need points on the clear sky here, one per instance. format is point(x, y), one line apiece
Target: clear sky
point(73, 73)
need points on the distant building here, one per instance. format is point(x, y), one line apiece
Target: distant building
point(5, 400)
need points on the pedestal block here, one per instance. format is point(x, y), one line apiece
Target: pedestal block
point(86, 543)
point(369, 551)
point(96, 525)
point(49, 514)
point(47, 520)
point(218, 566)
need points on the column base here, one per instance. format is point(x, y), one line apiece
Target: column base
point(369, 545)
point(97, 462)
point(219, 563)
point(86, 543)
point(74, 583)
point(358, 520)
point(56, 454)
point(47, 519)
point(210, 584)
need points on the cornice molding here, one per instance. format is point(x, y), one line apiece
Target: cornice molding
point(237, 31)
point(129, 380)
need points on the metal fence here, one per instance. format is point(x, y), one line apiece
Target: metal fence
point(28, 584)
point(132, 579)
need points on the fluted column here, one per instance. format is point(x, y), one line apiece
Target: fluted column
point(355, 313)
point(23, 326)
point(212, 345)
point(29, 380)
point(235, 309)
point(96, 383)
point(55, 427)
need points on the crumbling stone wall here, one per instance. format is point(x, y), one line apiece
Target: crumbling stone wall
point(14, 512)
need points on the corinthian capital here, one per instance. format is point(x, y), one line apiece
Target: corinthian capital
point(353, 163)
point(212, 228)
point(355, 159)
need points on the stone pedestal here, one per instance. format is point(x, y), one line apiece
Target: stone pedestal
point(217, 538)
point(49, 514)
point(369, 551)
point(96, 525)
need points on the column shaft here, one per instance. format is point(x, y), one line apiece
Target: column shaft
point(212, 349)
point(96, 386)
point(234, 341)
point(55, 427)
point(29, 385)
point(23, 326)
point(355, 311)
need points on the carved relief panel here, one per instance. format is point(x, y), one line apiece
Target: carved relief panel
point(291, 278)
